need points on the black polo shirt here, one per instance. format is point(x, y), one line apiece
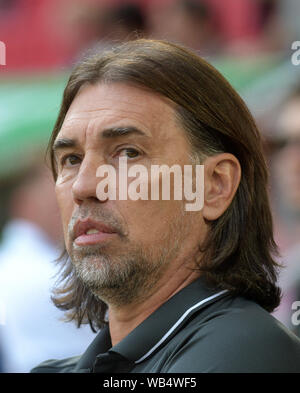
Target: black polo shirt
point(197, 330)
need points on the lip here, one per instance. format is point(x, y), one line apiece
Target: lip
point(82, 238)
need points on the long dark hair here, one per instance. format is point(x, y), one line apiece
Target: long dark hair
point(239, 248)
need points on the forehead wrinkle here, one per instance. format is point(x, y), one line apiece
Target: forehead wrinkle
point(109, 121)
point(72, 117)
point(123, 104)
point(155, 122)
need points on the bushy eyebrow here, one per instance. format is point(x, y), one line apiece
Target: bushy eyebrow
point(116, 132)
point(113, 132)
point(63, 143)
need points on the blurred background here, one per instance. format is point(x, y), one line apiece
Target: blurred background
point(249, 41)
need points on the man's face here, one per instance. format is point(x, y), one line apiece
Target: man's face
point(122, 248)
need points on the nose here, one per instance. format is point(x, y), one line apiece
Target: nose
point(85, 184)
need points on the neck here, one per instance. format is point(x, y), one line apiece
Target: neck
point(126, 318)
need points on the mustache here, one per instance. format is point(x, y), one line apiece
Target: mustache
point(107, 218)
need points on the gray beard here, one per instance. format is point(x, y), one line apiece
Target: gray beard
point(128, 277)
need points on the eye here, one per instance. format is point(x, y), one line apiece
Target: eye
point(70, 160)
point(129, 152)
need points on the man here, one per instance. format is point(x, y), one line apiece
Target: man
point(173, 290)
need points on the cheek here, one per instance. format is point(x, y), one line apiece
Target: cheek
point(65, 203)
point(148, 221)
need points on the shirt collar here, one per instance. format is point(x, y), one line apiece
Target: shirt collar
point(158, 328)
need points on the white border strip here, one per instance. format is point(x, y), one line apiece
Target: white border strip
point(170, 331)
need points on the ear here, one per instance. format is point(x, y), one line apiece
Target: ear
point(222, 175)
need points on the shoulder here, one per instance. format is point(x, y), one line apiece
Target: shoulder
point(57, 366)
point(238, 337)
